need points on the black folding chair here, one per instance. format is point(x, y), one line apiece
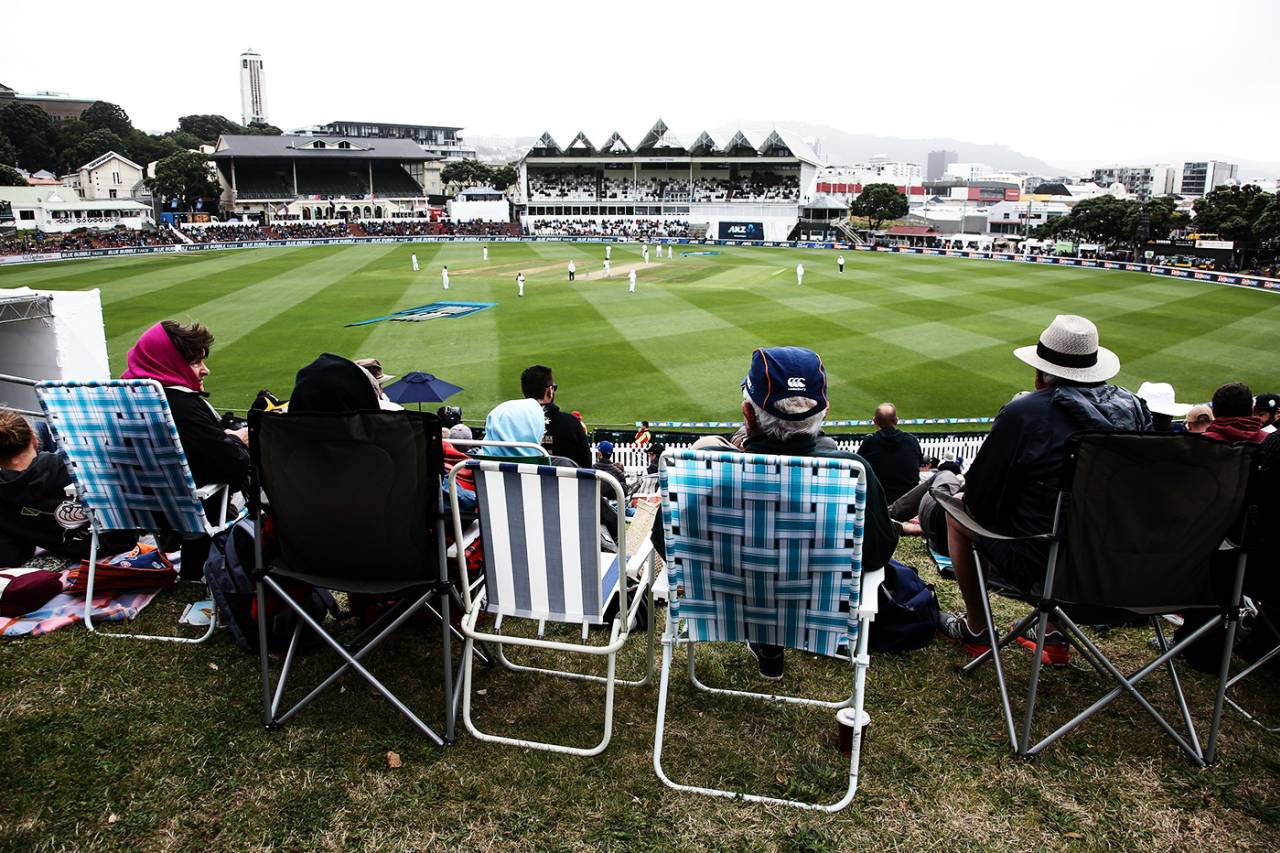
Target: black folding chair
point(355, 503)
point(1141, 530)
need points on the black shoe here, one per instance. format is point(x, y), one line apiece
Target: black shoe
point(769, 659)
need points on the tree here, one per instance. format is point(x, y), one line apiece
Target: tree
point(504, 176)
point(466, 173)
point(10, 178)
point(28, 128)
point(1163, 218)
point(879, 203)
point(1230, 212)
point(145, 148)
point(1266, 228)
point(8, 154)
point(186, 177)
point(102, 115)
point(207, 128)
point(261, 128)
point(1103, 219)
point(183, 139)
point(94, 144)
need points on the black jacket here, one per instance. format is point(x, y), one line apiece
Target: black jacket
point(565, 436)
point(1012, 485)
point(896, 458)
point(214, 456)
point(27, 501)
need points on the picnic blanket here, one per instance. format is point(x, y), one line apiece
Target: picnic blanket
point(68, 609)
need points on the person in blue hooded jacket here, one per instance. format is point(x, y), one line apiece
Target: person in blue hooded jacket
point(1012, 485)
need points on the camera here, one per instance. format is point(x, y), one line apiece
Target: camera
point(449, 415)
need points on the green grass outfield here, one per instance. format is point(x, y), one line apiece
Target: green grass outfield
point(932, 334)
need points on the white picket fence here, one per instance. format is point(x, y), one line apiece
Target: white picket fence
point(962, 448)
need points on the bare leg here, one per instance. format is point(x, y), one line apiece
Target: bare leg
point(961, 548)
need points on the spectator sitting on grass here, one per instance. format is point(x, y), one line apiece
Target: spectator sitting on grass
point(894, 455)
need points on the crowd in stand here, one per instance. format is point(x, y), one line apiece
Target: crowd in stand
point(225, 233)
point(37, 242)
point(632, 228)
point(310, 230)
point(581, 185)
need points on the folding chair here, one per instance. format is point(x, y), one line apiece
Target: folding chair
point(542, 561)
point(1261, 623)
point(1141, 520)
point(355, 505)
point(121, 447)
point(767, 549)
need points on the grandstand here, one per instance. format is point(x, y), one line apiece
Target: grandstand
point(740, 190)
point(326, 178)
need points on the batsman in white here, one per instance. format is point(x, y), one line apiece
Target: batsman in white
point(484, 253)
point(444, 277)
point(799, 273)
point(608, 268)
point(414, 258)
point(631, 279)
point(520, 283)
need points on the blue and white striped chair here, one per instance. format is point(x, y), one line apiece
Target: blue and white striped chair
point(121, 447)
point(540, 528)
point(767, 549)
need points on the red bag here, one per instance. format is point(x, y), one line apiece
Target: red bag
point(25, 590)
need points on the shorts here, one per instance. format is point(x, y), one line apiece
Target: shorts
point(1018, 566)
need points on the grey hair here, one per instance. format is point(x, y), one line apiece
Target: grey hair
point(780, 428)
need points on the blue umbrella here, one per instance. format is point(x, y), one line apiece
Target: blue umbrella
point(417, 387)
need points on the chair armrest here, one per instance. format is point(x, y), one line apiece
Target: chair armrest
point(954, 507)
point(206, 492)
point(636, 561)
point(869, 599)
point(470, 535)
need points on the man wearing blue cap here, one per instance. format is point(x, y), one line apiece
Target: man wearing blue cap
point(784, 401)
point(605, 463)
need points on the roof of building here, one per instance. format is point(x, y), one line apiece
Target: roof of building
point(660, 140)
point(64, 199)
point(394, 124)
point(822, 201)
point(364, 148)
point(1054, 188)
point(911, 231)
point(99, 160)
point(480, 191)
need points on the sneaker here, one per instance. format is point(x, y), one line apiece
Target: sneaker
point(1057, 651)
point(769, 659)
point(955, 627)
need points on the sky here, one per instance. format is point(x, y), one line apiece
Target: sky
point(1069, 82)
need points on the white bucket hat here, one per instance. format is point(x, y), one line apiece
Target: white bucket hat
point(1160, 398)
point(1069, 349)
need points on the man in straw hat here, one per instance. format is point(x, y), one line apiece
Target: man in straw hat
point(1012, 485)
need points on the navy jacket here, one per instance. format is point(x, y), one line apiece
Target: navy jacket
point(1012, 486)
point(896, 458)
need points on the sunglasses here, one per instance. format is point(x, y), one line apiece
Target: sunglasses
point(554, 387)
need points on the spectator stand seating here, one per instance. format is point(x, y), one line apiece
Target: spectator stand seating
point(1133, 539)
point(767, 549)
point(121, 447)
point(543, 562)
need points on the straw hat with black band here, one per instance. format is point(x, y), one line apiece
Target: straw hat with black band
point(1069, 350)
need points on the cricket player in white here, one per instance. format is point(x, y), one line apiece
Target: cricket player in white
point(608, 268)
point(414, 257)
point(670, 252)
point(608, 252)
point(484, 253)
point(646, 253)
point(520, 283)
point(573, 270)
point(631, 279)
point(840, 262)
point(799, 273)
point(444, 277)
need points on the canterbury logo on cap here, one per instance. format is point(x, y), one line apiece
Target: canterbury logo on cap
point(795, 383)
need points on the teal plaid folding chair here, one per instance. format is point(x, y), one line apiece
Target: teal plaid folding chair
point(121, 447)
point(767, 549)
point(540, 529)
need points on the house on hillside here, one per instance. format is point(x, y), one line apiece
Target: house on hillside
point(109, 176)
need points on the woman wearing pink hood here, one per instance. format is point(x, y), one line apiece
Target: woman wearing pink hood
point(174, 355)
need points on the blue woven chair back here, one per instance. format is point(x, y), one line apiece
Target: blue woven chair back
point(540, 526)
point(121, 447)
point(764, 548)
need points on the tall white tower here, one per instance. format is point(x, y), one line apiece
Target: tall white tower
point(253, 91)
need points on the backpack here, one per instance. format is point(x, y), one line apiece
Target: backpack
point(908, 614)
point(226, 571)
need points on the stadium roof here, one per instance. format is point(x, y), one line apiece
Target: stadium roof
point(237, 145)
point(661, 141)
